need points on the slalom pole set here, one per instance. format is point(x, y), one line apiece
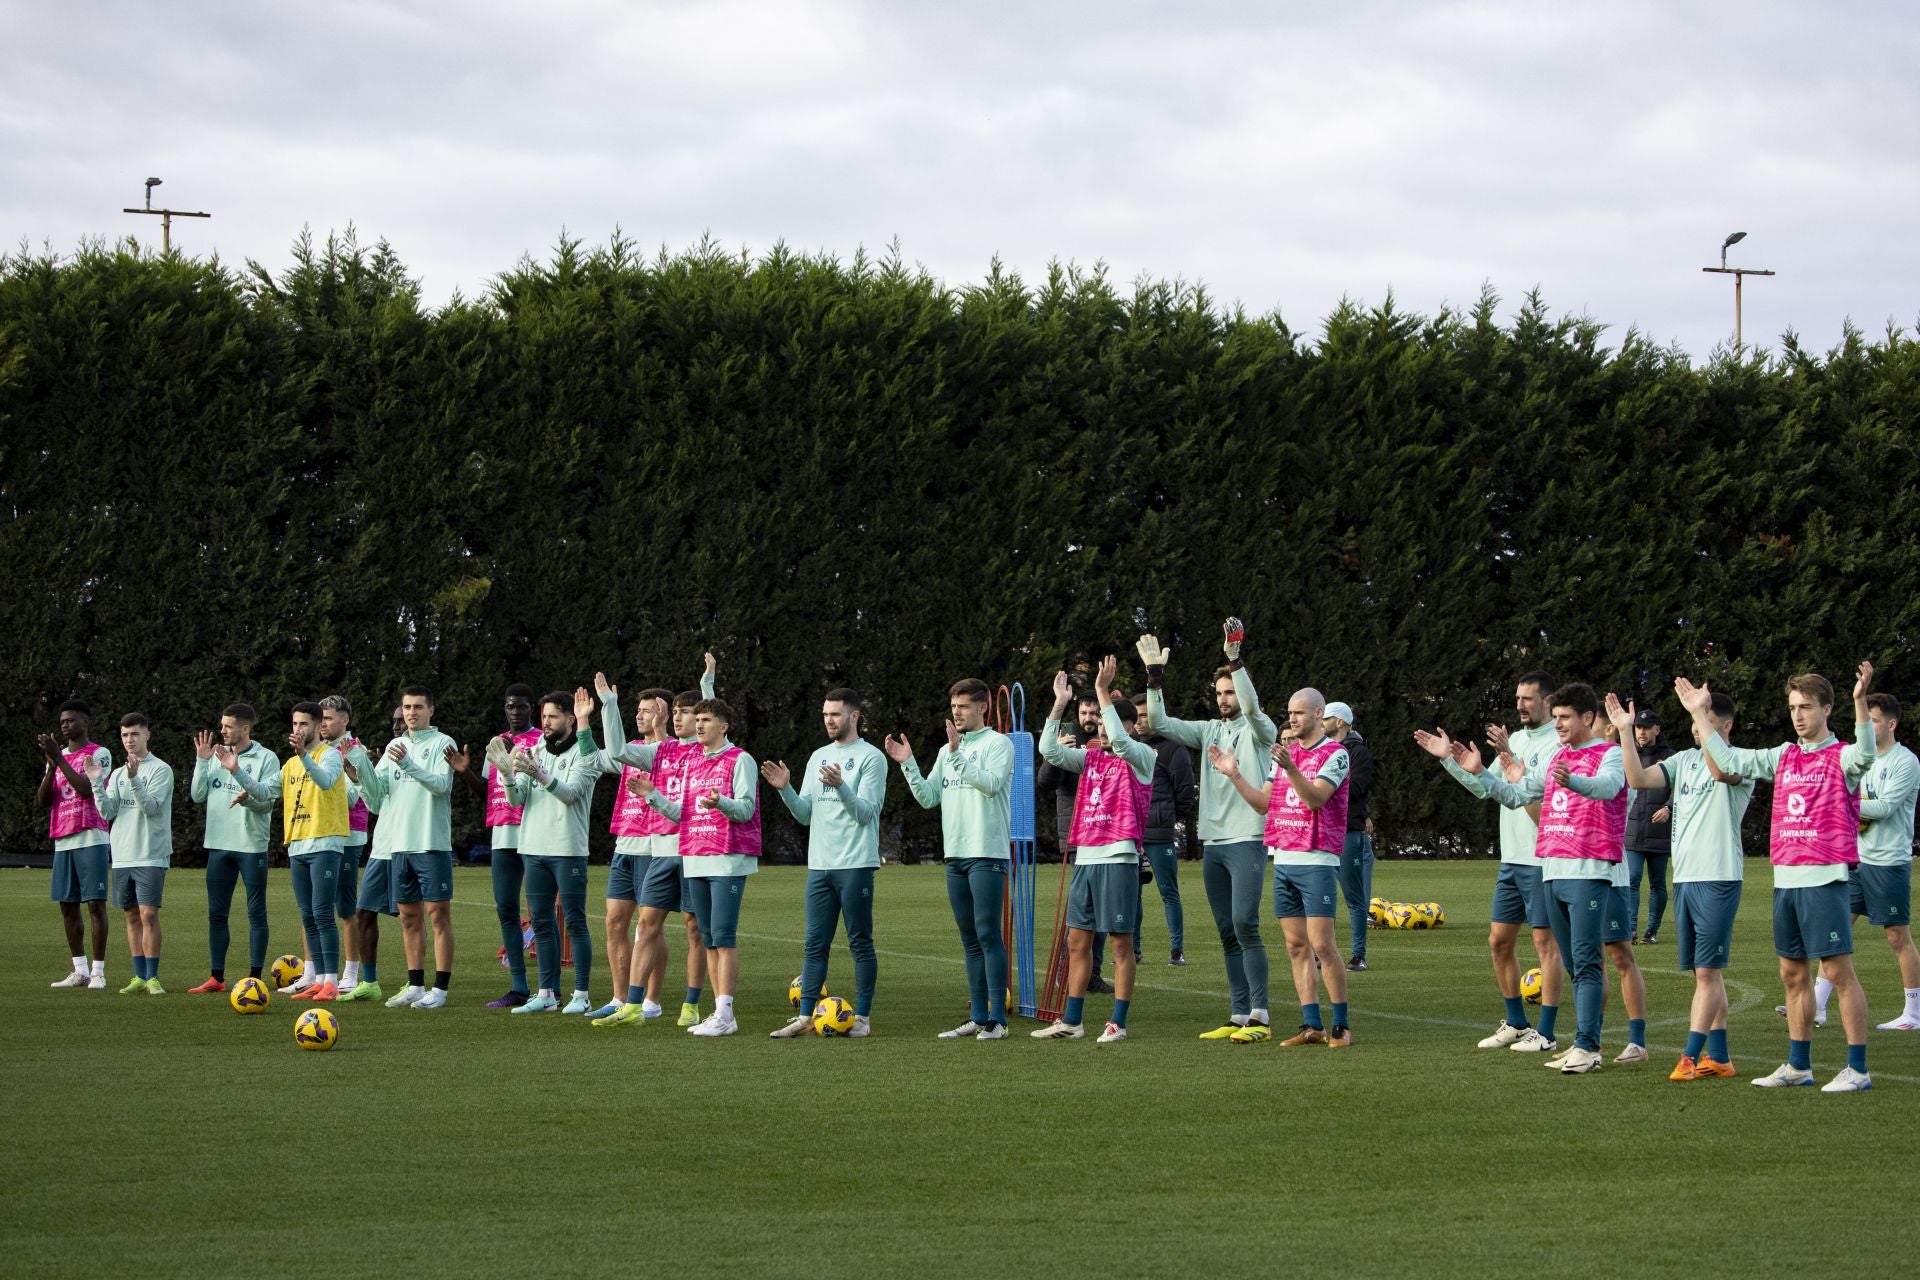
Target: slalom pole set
point(1009, 717)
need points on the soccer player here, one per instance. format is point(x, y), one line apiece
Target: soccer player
point(137, 801)
point(1649, 826)
point(841, 791)
point(1176, 800)
point(82, 850)
point(632, 825)
point(1356, 855)
point(1881, 886)
point(1109, 823)
point(336, 714)
point(1517, 893)
point(1233, 865)
point(375, 897)
point(1582, 793)
point(415, 784)
point(969, 783)
point(1707, 807)
point(239, 783)
point(552, 786)
point(1814, 838)
point(313, 787)
point(1306, 830)
point(653, 776)
point(503, 828)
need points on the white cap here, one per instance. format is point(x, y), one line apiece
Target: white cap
point(1340, 710)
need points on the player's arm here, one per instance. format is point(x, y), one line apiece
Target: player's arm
point(994, 770)
point(1227, 765)
point(925, 788)
point(199, 784)
point(1603, 783)
point(151, 787)
point(106, 797)
point(1639, 777)
point(435, 774)
point(1314, 792)
point(1855, 760)
point(1897, 790)
point(743, 797)
point(1265, 732)
point(324, 769)
point(780, 778)
point(865, 801)
point(1056, 753)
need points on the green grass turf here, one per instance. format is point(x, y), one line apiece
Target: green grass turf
point(170, 1136)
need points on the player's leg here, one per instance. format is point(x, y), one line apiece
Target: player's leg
point(413, 942)
point(1318, 897)
point(571, 873)
point(1890, 906)
point(624, 878)
point(222, 877)
point(541, 887)
point(1796, 982)
point(1546, 945)
point(1636, 872)
point(325, 869)
point(1829, 931)
point(1354, 891)
point(1248, 866)
point(696, 956)
point(822, 915)
point(1617, 937)
point(509, 874)
point(856, 908)
point(1082, 917)
point(346, 897)
point(299, 869)
point(988, 877)
point(437, 893)
point(149, 884)
point(1656, 895)
point(719, 926)
point(1165, 860)
point(1216, 877)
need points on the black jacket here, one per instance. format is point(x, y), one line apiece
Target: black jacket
point(1359, 780)
point(1176, 791)
point(1644, 835)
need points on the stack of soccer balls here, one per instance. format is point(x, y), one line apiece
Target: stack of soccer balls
point(1406, 915)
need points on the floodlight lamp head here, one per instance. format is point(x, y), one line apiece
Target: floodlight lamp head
point(1734, 239)
point(153, 182)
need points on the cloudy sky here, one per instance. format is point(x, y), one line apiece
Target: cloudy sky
point(1284, 155)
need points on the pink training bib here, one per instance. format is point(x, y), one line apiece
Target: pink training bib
point(1291, 825)
point(709, 832)
point(74, 811)
point(1577, 826)
point(1110, 804)
point(632, 815)
point(1815, 817)
point(499, 812)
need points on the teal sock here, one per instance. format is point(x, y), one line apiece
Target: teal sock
point(1637, 1031)
point(1857, 1057)
point(369, 972)
point(636, 994)
point(1717, 1046)
point(139, 968)
point(693, 995)
point(1696, 1041)
point(1549, 1014)
point(1516, 1012)
point(153, 971)
point(1310, 1015)
point(806, 1007)
point(1340, 1013)
point(1120, 1012)
point(146, 967)
point(1800, 1055)
point(1074, 1006)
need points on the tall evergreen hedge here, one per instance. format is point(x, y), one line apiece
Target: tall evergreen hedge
point(265, 486)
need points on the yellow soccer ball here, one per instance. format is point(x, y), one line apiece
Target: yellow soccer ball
point(1439, 914)
point(1530, 986)
point(250, 995)
point(793, 991)
point(286, 971)
point(316, 1029)
point(833, 1017)
point(1378, 909)
point(1400, 916)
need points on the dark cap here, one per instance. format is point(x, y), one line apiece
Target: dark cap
point(1646, 718)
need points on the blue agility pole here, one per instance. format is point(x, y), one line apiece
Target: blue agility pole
point(1010, 710)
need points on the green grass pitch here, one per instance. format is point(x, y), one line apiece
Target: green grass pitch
point(170, 1136)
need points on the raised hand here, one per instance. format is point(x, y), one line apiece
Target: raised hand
point(1152, 652)
point(830, 776)
point(1062, 689)
point(93, 768)
point(1225, 763)
point(1863, 680)
point(1235, 632)
point(1103, 676)
point(298, 739)
point(1696, 698)
point(711, 800)
point(1436, 744)
point(1620, 716)
point(1560, 772)
point(1467, 756)
point(953, 736)
point(776, 773)
point(601, 687)
point(582, 708)
point(397, 750)
point(523, 761)
point(460, 758)
point(640, 783)
point(712, 664)
point(898, 749)
point(49, 747)
point(203, 744)
point(229, 758)
point(1497, 739)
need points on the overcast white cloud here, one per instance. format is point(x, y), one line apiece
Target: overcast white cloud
point(1284, 155)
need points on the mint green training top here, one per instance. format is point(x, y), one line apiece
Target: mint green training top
point(239, 804)
point(554, 813)
point(415, 795)
point(139, 813)
point(1706, 819)
point(1140, 760)
point(1886, 808)
point(972, 789)
point(1224, 817)
point(1518, 831)
point(843, 822)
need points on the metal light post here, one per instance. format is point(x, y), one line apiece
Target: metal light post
point(166, 216)
point(1737, 273)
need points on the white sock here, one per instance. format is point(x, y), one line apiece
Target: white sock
point(548, 994)
point(580, 993)
point(723, 1006)
point(1913, 1003)
point(1260, 1015)
point(79, 964)
point(351, 978)
point(1238, 1019)
point(650, 1007)
point(1822, 992)
point(100, 967)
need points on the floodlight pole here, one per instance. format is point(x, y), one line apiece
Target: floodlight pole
point(166, 216)
point(1738, 274)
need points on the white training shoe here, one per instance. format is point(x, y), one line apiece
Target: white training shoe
point(1632, 1053)
point(300, 983)
point(1059, 1031)
point(1531, 1041)
point(1819, 1019)
point(98, 982)
point(1580, 1061)
point(1112, 1035)
point(1905, 1022)
point(992, 1031)
point(1783, 1077)
point(799, 1026)
point(961, 1032)
point(74, 979)
point(861, 1028)
point(1558, 1060)
point(435, 998)
point(714, 1024)
point(1848, 1081)
point(1504, 1035)
point(408, 997)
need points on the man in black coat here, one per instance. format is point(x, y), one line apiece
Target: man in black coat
point(1176, 799)
point(1356, 859)
point(1649, 829)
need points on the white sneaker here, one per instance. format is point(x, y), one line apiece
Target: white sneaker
point(1503, 1035)
point(1784, 1076)
point(408, 997)
point(435, 998)
point(1580, 1061)
point(1059, 1031)
point(961, 1032)
point(1632, 1053)
point(300, 983)
point(992, 1031)
point(1819, 1019)
point(1848, 1081)
point(1112, 1035)
point(714, 1024)
point(797, 1027)
point(1531, 1041)
point(861, 1028)
point(1905, 1022)
point(74, 979)
point(1558, 1060)
point(98, 982)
